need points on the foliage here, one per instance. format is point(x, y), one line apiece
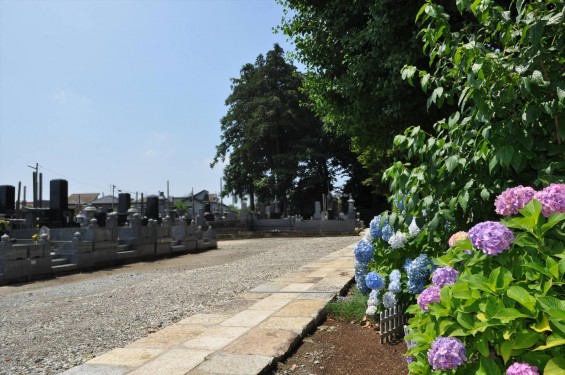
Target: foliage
point(273, 144)
point(181, 206)
point(353, 52)
point(401, 255)
point(349, 308)
point(503, 69)
point(504, 308)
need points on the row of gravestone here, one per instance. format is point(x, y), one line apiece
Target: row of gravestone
point(92, 246)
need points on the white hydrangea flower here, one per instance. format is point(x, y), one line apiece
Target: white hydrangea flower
point(413, 229)
point(371, 311)
point(368, 236)
point(398, 240)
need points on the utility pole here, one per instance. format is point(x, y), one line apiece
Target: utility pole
point(113, 187)
point(35, 175)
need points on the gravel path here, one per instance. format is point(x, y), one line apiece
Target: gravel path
point(49, 326)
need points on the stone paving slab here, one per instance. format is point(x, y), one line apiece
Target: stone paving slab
point(265, 342)
point(270, 320)
point(233, 364)
point(173, 362)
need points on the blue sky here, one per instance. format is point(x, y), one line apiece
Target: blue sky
point(124, 93)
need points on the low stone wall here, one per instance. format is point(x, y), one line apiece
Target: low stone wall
point(307, 226)
point(93, 247)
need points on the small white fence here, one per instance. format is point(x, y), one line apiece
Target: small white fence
point(392, 323)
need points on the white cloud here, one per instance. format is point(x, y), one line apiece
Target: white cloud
point(150, 153)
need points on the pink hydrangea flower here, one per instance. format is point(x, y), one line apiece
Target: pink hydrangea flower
point(429, 295)
point(518, 368)
point(456, 237)
point(513, 199)
point(552, 199)
point(491, 237)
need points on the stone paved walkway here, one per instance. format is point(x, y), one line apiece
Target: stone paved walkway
point(276, 316)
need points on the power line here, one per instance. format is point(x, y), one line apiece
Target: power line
point(72, 179)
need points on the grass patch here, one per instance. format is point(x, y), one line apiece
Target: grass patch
point(351, 307)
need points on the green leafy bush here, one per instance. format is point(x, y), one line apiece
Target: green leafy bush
point(502, 68)
point(503, 308)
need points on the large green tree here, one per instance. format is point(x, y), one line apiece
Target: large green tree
point(353, 52)
point(504, 69)
point(274, 145)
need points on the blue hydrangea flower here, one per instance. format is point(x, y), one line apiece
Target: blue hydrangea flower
point(394, 286)
point(361, 284)
point(395, 275)
point(387, 232)
point(389, 300)
point(374, 281)
point(418, 271)
point(364, 251)
point(376, 224)
point(373, 298)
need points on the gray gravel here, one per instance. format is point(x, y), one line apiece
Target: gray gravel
point(49, 326)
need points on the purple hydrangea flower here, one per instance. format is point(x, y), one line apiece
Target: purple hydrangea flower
point(552, 199)
point(518, 368)
point(444, 276)
point(491, 237)
point(374, 281)
point(446, 353)
point(429, 295)
point(513, 199)
point(409, 359)
point(364, 251)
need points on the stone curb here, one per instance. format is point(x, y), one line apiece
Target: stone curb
point(278, 315)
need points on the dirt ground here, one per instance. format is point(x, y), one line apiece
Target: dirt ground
point(339, 348)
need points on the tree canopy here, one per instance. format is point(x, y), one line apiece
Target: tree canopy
point(354, 52)
point(504, 70)
point(275, 147)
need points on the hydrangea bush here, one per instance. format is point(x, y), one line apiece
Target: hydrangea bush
point(498, 295)
point(392, 261)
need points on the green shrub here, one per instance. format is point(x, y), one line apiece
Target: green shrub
point(505, 308)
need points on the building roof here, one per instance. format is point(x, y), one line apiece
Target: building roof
point(105, 200)
point(82, 198)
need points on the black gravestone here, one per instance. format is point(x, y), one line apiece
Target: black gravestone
point(124, 203)
point(59, 194)
point(152, 209)
point(7, 199)
point(58, 201)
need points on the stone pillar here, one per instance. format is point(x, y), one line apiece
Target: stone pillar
point(351, 209)
point(317, 210)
